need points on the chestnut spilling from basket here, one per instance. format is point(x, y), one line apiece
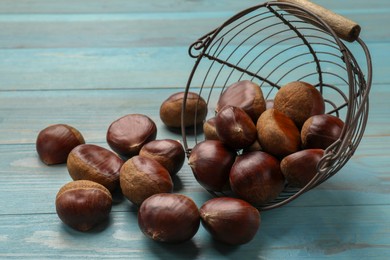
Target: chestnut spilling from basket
point(286, 100)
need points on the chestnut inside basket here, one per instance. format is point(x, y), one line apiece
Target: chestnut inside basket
point(275, 43)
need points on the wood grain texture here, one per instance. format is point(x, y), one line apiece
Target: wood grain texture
point(87, 63)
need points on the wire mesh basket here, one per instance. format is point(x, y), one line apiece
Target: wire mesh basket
point(275, 43)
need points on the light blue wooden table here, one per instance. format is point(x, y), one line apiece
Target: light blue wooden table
point(86, 63)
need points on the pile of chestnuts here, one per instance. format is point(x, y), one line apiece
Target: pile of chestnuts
point(254, 147)
point(142, 168)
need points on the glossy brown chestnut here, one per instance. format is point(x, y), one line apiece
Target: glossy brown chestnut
point(210, 161)
point(171, 110)
point(299, 100)
point(277, 133)
point(230, 220)
point(300, 168)
point(95, 163)
point(83, 204)
point(170, 218)
point(55, 142)
point(128, 134)
point(246, 95)
point(169, 153)
point(209, 131)
point(141, 177)
point(256, 178)
point(235, 128)
point(320, 131)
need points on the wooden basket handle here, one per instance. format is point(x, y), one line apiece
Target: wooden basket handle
point(344, 28)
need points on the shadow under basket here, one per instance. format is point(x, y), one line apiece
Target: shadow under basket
point(275, 43)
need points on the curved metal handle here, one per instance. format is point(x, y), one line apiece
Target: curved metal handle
point(345, 28)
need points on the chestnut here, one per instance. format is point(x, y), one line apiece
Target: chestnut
point(210, 161)
point(128, 134)
point(95, 163)
point(171, 110)
point(230, 220)
point(256, 178)
point(55, 142)
point(141, 177)
point(235, 128)
point(169, 153)
point(168, 217)
point(277, 133)
point(320, 131)
point(300, 168)
point(246, 95)
point(83, 204)
point(299, 100)
point(209, 130)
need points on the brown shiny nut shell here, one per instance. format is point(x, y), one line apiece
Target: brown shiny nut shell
point(55, 142)
point(128, 134)
point(299, 100)
point(235, 128)
point(171, 110)
point(256, 178)
point(95, 163)
point(83, 204)
point(246, 95)
point(169, 218)
point(209, 131)
point(169, 153)
point(230, 220)
point(141, 177)
point(277, 133)
point(320, 131)
point(300, 168)
point(210, 162)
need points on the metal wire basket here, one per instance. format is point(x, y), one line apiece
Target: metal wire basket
point(275, 43)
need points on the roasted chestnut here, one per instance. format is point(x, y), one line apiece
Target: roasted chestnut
point(256, 178)
point(169, 153)
point(83, 204)
point(55, 142)
point(171, 110)
point(235, 128)
point(300, 168)
point(95, 163)
point(141, 177)
point(246, 95)
point(168, 217)
point(299, 100)
point(230, 220)
point(128, 134)
point(210, 161)
point(320, 131)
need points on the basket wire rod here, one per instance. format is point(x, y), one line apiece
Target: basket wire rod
point(273, 57)
point(230, 65)
point(226, 62)
point(200, 93)
point(291, 70)
point(280, 16)
point(253, 47)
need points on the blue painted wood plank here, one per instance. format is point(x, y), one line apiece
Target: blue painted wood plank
point(90, 30)
point(364, 180)
point(293, 233)
point(113, 68)
point(150, 6)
